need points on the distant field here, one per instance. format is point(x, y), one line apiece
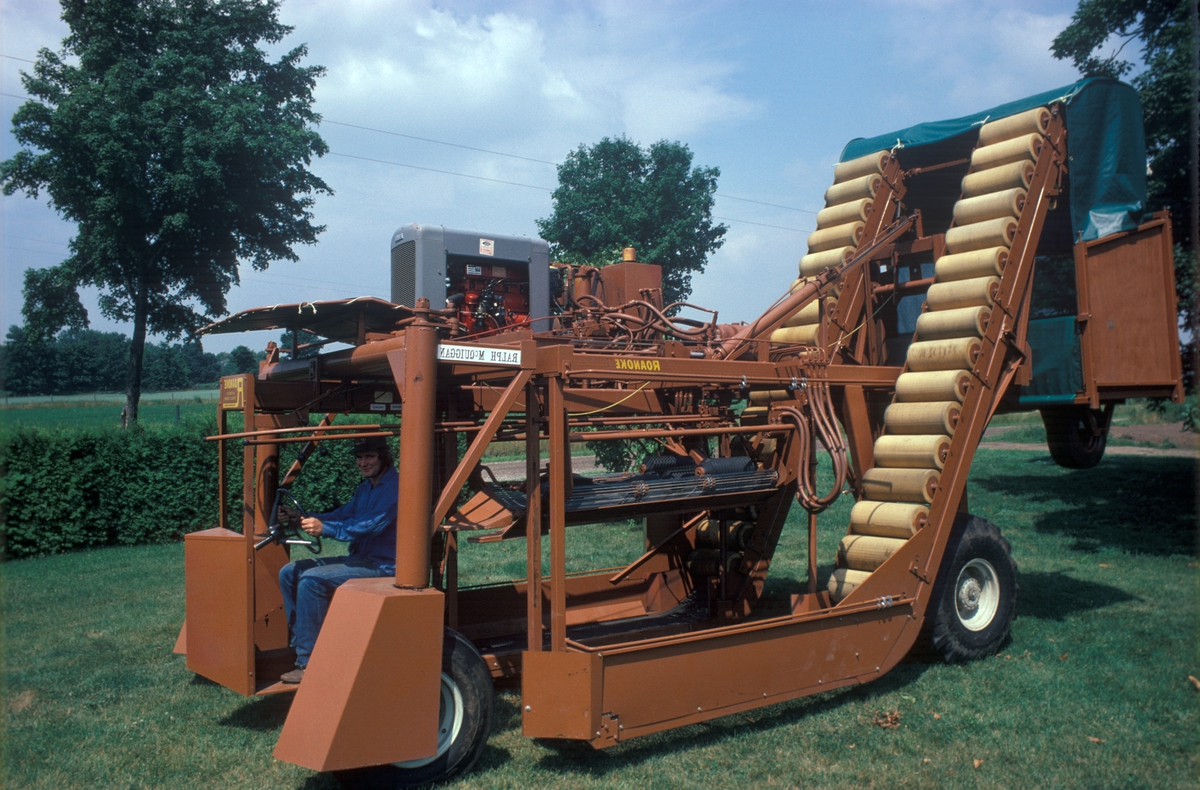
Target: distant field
point(84, 414)
point(208, 394)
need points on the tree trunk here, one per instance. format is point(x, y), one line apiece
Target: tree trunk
point(133, 380)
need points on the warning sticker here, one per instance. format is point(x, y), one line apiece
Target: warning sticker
point(233, 393)
point(476, 271)
point(487, 247)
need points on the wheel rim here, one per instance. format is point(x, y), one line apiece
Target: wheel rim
point(450, 719)
point(977, 595)
point(1087, 440)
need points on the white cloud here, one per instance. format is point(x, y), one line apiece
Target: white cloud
point(509, 76)
point(973, 56)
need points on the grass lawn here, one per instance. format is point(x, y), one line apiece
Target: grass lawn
point(1092, 691)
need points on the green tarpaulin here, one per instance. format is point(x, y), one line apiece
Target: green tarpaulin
point(1057, 368)
point(1105, 142)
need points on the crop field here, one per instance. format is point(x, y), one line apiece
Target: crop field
point(1092, 691)
point(82, 413)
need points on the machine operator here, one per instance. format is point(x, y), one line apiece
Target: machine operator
point(368, 522)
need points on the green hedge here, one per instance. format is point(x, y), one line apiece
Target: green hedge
point(74, 489)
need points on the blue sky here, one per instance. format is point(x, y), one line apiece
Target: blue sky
point(769, 92)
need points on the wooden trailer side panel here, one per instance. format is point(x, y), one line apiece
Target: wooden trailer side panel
point(1129, 337)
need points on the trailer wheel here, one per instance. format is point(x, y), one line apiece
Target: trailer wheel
point(975, 594)
point(1070, 436)
point(464, 723)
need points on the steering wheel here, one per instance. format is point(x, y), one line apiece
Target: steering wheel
point(289, 534)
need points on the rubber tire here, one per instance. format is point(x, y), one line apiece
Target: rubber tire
point(466, 667)
point(973, 538)
point(1070, 439)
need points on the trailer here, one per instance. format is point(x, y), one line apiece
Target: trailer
point(998, 262)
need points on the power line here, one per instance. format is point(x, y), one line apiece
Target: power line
point(531, 159)
point(37, 252)
point(440, 142)
point(39, 241)
point(759, 224)
point(531, 186)
point(443, 172)
point(289, 277)
point(761, 203)
point(14, 57)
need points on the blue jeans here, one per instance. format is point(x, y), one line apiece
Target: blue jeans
point(308, 587)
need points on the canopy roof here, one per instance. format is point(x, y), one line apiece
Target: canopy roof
point(1105, 141)
point(336, 319)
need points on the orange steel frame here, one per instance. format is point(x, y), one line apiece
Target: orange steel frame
point(606, 686)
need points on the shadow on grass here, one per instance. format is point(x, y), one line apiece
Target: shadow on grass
point(1055, 596)
point(261, 715)
point(1130, 503)
point(579, 760)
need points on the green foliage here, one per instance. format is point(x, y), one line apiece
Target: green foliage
point(1191, 413)
point(307, 344)
point(241, 360)
point(84, 360)
point(623, 455)
point(164, 368)
point(51, 303)
point(1167, 88)
point(329, 476)
point(616, 194)
point(65, 490)
point(202, 367)
point(164, 132)
point(1188, 298)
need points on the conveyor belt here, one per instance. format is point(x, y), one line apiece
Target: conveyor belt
point(591, 494)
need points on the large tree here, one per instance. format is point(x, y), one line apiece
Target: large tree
point(616, 194)
point(178, 148)
point(1166, 31)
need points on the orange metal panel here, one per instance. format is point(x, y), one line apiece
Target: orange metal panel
point(370, 695)
point(218, 609)
point(1132, 327)
point(270, 621)
point(668, 684)
point(559, 473)
point(859, 431)
point(533, 548)
point(560, 694)
point(622, 282)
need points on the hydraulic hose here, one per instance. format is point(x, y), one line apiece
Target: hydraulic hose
point(821, 424)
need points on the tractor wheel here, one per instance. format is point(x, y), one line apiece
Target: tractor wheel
point(1069, 434)
point(975, 595)
point(464, 723)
